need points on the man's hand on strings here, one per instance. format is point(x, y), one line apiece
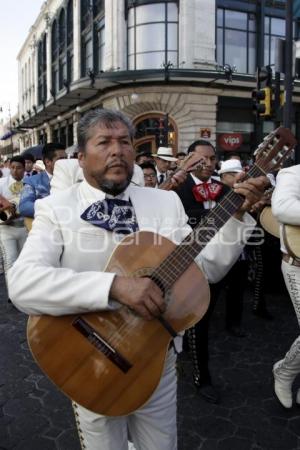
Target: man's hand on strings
point(252, 190)
point(141, 295)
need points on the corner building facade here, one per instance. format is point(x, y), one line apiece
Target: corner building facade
point(181, 70)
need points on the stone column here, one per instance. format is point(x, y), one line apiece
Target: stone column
point(205, 37)
point(187, 36)
point(76, 117)
point(48, 131)
point(197, 34)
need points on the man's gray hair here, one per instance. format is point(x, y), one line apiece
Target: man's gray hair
point(107, 117)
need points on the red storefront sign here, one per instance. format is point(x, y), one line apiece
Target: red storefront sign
point(230, 141)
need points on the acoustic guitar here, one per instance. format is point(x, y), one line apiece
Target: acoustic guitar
point(291, 239)
point(269, 223)
point(110, 362)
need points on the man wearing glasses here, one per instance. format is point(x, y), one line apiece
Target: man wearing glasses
point(150, 175)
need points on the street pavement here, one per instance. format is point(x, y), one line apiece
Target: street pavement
point(35, 416)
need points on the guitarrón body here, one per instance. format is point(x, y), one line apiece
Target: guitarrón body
point(111, 361)
point(291, 239)
point(268, 222)
point(84, 372)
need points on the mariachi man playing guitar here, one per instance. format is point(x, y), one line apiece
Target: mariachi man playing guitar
point(61, 271)
point(200, 193)
point(286, 209)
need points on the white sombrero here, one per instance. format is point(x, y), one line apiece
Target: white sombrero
point(231, 165)
point(165, 153)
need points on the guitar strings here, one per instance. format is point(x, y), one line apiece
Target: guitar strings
point(181, 256)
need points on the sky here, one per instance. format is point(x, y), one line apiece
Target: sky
point(16, 18)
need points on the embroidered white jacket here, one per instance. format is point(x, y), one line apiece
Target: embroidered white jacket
point(60, 269)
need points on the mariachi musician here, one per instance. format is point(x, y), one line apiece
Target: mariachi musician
point(199, 194)
point(61, 269)
point(286, 209)
point(12, 231)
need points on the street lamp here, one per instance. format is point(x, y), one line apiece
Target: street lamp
point(10, 126)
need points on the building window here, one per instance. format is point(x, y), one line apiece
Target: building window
point(69, 55)
point(70, 136)
point(99, 45)
point(153, 131)
point(86, 14)
point(54, 54)
point(159, 20)
point(87, 51)
point(92, 36)
point(98, 7)
point(62, 31)
point(236, 40)
point(42, 70)
point(62, 49)
point(274, 29)
point(70, 23)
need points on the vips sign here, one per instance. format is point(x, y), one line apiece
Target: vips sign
point(230, 141)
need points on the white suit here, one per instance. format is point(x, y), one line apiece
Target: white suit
point(60, 271)
point(286, 209)
point(12, 235)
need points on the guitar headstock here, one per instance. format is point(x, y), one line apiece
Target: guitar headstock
point(274, 149)
point(191, 162)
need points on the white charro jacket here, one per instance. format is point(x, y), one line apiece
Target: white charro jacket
point(286, 198)
point(60, 269)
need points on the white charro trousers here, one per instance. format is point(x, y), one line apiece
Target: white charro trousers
point(152, 427)
point(12, 239)
point(289, 367)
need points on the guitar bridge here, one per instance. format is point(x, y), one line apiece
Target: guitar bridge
point(100, 343)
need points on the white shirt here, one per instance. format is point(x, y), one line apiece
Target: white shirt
point(50, 175)
point(5, 171)
point(159, 175)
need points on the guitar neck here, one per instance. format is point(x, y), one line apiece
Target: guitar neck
point(184, 254)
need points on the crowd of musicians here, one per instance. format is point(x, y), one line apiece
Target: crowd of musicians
point(200, 181)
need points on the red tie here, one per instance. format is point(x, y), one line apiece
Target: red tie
point(204, 192)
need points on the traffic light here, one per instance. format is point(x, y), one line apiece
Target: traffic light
point(262, 102)
point(264, 77)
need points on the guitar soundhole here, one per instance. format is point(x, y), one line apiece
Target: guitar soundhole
point(101, 344)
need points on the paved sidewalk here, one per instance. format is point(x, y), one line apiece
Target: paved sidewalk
point(35, 416)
